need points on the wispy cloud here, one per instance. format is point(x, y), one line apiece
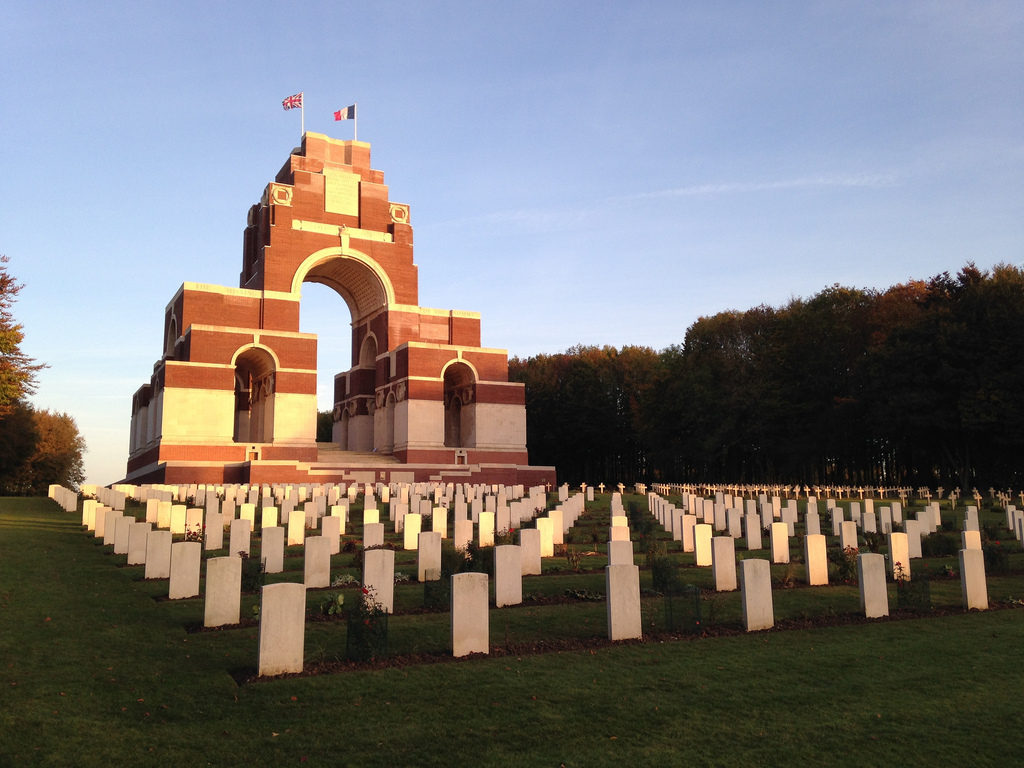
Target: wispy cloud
point(701, 190)
point(564, 217)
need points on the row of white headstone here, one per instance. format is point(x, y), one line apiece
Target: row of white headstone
point(277, 494)
point(719, 552)
point(282, 622)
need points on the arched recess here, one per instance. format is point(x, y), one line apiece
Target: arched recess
point(368, 353)
point(255, 384)
point(340, 433)
point(172, 337)
point(389, 424)
point(459, 405)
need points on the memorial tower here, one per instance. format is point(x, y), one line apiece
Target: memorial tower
point(233, 398)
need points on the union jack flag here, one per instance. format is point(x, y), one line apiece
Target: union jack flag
point(293, 102)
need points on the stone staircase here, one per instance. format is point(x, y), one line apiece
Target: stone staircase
point(330, 453)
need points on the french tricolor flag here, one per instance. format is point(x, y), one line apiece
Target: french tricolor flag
point(348, 113)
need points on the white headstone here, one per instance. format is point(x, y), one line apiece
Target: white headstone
point(184, 579)
point(379, 576)
point(622, 587)
point(780, 543)
point(316, 568)
point(756, 594)
point(282, 628)
point(239, 538)
point(508, 575)
point(972, 579)
point(138, 534)
point(723, 563)
point(470, 629)
point(223, 591)
point(899, 556)
point(272, 549)
point(158, 554)
point(373, 535)
point(529, 542)
point(428, 556)
point(620, 553)
point(702, 543)
point(874, 600)
point(816, 559)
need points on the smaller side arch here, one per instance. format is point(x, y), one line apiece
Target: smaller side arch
point(459, 379)
point(256, 369)
point(262, 348)
point(460, 361)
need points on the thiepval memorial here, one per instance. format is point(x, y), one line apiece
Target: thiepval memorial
point(233, 398)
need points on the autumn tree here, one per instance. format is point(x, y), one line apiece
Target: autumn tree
point(17, 370)
point(57, 458)
point(919, 384)
point(18, 439)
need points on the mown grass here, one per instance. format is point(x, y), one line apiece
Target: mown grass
point(95, 670)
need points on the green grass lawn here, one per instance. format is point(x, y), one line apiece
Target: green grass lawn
point(95, 670)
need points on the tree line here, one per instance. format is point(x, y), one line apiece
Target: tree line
point(37, 447)
point(918, 384)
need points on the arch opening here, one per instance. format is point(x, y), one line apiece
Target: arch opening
point(322, 314)
point(346, 352)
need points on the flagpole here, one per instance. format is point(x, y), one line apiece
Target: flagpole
point(302, 117)
point(355, 121)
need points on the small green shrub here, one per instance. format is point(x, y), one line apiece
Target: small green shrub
point(480, 559)
point(664, 574)
point(913, 594)
point(452, 560)
point(367, 625)
point(333, 605)
point(653, 549)
point(253, 574)
point(996, 558)
point(845, 563)
point(874, 540)
point(940, 544)
point(437, 595)
point(682, 609)
point(572, 557)
point(505, 537)
point(585, 595)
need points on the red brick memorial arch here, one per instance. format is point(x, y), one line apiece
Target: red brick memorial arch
point(233, 399)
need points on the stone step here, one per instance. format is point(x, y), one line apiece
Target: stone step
point(357, 458)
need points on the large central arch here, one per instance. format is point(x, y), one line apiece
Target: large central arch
point(358, 279)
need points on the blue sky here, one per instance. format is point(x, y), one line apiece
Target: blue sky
point(578, 172)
